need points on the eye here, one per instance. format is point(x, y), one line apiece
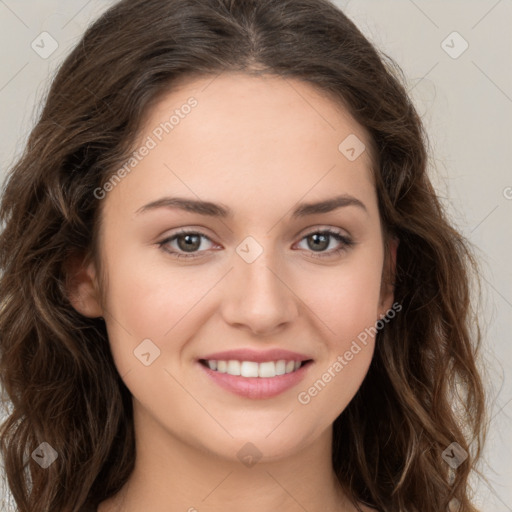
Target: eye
point(320, 240)
point(189, 243)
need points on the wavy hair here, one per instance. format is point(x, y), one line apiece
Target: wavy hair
point(423, 389)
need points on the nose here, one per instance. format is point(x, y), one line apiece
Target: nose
point(258, 297)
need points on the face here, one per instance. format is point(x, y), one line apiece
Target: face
point(219, 262)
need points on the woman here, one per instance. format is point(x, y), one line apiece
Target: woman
point(227, 281)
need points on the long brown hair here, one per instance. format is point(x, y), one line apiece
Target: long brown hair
point(423, 390)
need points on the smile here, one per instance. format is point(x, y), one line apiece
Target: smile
point(255, 380)
point(248, 369)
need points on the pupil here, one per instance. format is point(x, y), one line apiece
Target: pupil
point(189, 246)
point(318, 236)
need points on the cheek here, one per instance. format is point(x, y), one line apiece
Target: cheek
point(154, 301)
point(347, 304)
point(332, 387)
point(139, 307)
point(346, 297)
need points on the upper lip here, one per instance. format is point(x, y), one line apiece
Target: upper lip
point(258, 356)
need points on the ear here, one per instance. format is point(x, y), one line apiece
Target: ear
point(82, 286)
point(387, 290)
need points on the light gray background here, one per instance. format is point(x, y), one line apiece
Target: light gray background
point(465, 102)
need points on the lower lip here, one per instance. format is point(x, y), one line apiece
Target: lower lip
point(257, 387)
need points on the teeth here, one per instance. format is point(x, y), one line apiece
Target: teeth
point(266, 369)
point(249, 369)
point(233, 367)
point(280, 367)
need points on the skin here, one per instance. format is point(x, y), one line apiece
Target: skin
point(259, 146)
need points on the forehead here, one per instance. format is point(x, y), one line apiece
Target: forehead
point(229, 96)
point(239, 136)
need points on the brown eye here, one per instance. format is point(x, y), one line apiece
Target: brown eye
point(187, 244)
point(191, 242)
point(319, 241)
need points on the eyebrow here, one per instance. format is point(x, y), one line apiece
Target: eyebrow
point(219, 210)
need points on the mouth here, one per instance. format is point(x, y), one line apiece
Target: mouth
point(255, 375)
point(254, 369)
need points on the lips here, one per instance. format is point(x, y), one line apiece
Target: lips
point(256, 374)
point(258, 356)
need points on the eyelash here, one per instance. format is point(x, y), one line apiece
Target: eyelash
point(345, 241)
